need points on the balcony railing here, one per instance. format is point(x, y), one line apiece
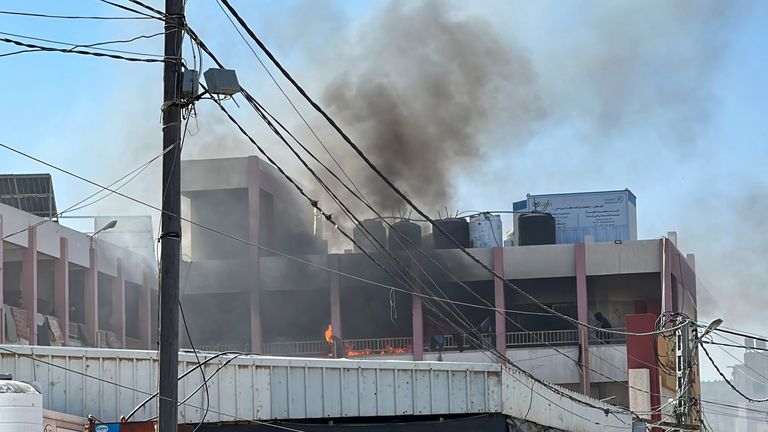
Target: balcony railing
point(548, 337)
point(399, 345)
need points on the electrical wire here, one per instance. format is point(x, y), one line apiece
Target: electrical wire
point(290, 101)
point(81, 52)
point(95, 46)
point(728, 381)
point(75, 17)
point(258, 108)
point(78, 206)
point(316, 206)
point(129, 9)
point(389, 182)
point(125, 387)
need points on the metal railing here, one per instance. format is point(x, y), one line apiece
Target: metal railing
point(398, 345)
point(546, 337)
point(380, 345)
point(305, 348)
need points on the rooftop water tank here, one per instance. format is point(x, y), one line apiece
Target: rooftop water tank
point(536, 229)
point(21, 407)
point(402, 230)
point(457, 229)
point(370, 228)
point(485, 231)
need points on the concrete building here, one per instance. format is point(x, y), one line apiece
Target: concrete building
point(281, 306)
point(59, 286)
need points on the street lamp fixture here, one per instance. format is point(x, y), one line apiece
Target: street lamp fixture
point(111, 224)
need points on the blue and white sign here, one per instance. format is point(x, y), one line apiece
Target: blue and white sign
point(606, 216)
point(109, 427)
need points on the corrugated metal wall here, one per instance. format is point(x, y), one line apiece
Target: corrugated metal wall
point(110, 383)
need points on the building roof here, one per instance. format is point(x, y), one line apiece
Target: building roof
point(32, 193)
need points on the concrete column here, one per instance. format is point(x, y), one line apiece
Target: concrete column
point(666, 275)
point(583, 314)
point(254, 192)
point(499, 301)
point(92, 297)
point(118, 303)
point(61, 289)
point(29, 283)
point(145, 312)
point(333, 263)
point(418, 328)
point(2, 267)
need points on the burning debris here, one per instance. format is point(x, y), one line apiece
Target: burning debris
point(339, 349)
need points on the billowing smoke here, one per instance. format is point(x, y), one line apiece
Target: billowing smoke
point(418, 89)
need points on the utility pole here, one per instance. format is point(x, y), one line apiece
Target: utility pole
point(170, 238)
point(684, 408)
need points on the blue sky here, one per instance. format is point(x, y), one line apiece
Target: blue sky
point(667, 99)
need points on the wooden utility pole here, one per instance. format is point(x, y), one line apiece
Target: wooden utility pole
point(170, 238)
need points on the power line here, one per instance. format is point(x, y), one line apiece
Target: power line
point(728, 381)
point(553, 388)
point(95, 46)
point(77, 206)
point(316, 206)
point(480, 340)
point(392, 186)
point(290, 102)
point(81, 52)
point(74, 17)
point(117, 384)
point(129, 9)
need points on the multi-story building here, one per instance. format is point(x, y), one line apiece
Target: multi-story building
point(274, 304)
point(59, 286)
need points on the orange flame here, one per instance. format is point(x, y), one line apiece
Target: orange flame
point(329, 334)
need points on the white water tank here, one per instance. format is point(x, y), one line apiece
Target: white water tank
point(21, 407)
point(485, 231)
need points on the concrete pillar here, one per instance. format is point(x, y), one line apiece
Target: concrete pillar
point(583, 314)
point(145, 312)
point(333, 264)
point(2, 267)
point(254, 192)
point(92, 297)
point(61, 289)
point(666, 275)
point(499, 301)
point(118, 303)
point(29, 283)
point(418, 328)
point(641, 355)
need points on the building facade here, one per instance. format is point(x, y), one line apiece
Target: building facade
point(282, 304)
point(59, 286)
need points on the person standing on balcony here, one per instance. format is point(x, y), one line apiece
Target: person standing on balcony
point(604, 324)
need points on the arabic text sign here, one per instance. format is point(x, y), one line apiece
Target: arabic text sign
point(584, 210)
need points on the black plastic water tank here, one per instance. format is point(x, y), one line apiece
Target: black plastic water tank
point(457, 228)
point(407, 229)
point(536, 229)
point(375, 228)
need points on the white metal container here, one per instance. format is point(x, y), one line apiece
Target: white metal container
point(21, 407)
point(485, 231)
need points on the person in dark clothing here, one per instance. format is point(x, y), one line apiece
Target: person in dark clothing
point(605, 324)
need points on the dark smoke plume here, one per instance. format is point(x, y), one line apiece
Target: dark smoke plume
point(417, 93)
